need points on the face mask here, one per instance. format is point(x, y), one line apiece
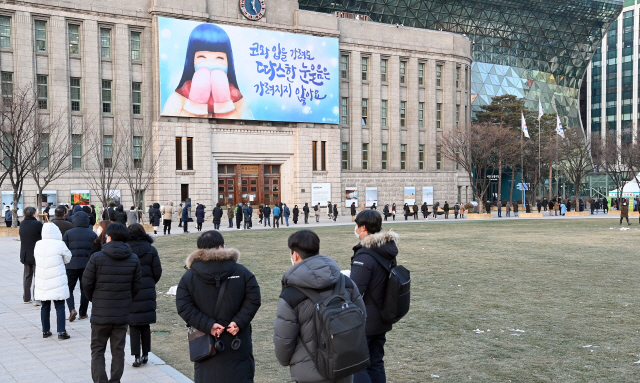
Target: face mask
point(211, 65)
point(355, 231)
point(292, 262)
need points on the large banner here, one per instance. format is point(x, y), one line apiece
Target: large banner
point(221, 71)
point(350, 196)
point(427, 195)
point(320, 193)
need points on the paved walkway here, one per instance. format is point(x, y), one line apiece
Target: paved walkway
point(26, 357)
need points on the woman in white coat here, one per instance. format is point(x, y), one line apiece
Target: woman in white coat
point(51, 278)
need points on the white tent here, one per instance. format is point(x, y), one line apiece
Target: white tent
point(630, 189)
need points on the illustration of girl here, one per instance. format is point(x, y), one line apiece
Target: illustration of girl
point(208, 87)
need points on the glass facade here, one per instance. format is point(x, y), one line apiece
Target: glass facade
point(535, 50)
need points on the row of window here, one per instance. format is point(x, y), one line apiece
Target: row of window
point(344, 113)
point(385, 157)
point(75, 91)
point(179, 153)
point(384, 70)
point(74, 33)
point(323, 155)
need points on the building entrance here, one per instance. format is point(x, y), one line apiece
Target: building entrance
point(254, 184)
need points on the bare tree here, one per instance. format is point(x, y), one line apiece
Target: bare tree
point(574, 156)
point(140, 159)
point(630, 153)
point(477, 150)
point(21, 125)
point(607, 156)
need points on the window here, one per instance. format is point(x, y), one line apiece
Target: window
point(178, 153)
point(189, 153)
point(421, 115)
point(314, 155)
point(137, 152)
point(5, 32)
point(135, 46)
point(323, 155)
point(460, 194)
point(106, 96)
point(438, 158)
point(458, 159)
point(438, 75)
point(383, 113)
point(439, 116)
point(136, 97)
point(457, 115)
point(74, 90)
point(76, 151)
point(384, 156)
point(365, 68)
point(43, 154)
point(105, 42)
point(7, 140)
point(107, 151)
point(383, 70)
point(43, 91)
point(74, 39)
point(421, 74)
point(403, 109)
point(365, 156)
point(344, 67)
point(365, 111)
point(7, 88)
point(344, 111)
point(345, 156)
point(403, 72)
point(41, 36)
point(421, 157)
point(457, 77)
point(403, 157)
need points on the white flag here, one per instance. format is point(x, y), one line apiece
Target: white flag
point(540, 112)
point(559, 129)
point(524, 126)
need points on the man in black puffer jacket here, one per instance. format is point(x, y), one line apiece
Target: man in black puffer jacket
point(371, 279)
point(79, 240)
point(111, 279)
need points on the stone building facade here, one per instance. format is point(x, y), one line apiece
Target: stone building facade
point(400, 89)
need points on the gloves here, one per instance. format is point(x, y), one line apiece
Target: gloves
point(220, 90)
point(197, 103)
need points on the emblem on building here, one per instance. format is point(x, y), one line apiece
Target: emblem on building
point(252, 9)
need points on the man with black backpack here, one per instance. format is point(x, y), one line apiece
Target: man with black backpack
point(382, 284)
point(319, 330)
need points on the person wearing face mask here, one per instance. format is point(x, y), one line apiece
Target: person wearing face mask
point(293, 330)
point(371, 278)
point(208, 87)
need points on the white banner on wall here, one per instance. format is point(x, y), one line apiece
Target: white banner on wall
point(7, 200)
point(372, 196)
point(427, 195)
point(320, 193)
point(350, 196)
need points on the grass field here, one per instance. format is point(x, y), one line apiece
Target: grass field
point(550, 300)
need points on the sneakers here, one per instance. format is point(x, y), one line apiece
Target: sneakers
point(72, 315)
point(37, 303)
point(28, 302)
point(63, 335)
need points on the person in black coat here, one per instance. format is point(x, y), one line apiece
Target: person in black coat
point(305, 210)
point(239, 215)
point(143, 307)
point(196, 301)
point(30, 232)
point(217, 216)
point(111, 279)
point(92, 218)
point(296, 213)
point(79, 241)
point(199, 216)
point(110, 213)
point(335, 211)
point(121, 215)
point(154, 217)
point(352, 209)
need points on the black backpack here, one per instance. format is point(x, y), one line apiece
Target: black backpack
point(397, 297)
point(341, 342)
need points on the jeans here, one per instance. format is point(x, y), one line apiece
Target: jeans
point(167, 225)
point(267, 221)
point(276, 221)
point(286, 220)
point(27, 281)
point(247, 222)
point(230, 222)
point(73, 276)
point(117, 337)
point(45, 312)
point(499, 212)
point(375, 372)
point(216, 226)
point(137, 333)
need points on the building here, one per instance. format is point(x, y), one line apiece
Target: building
point(382, 98)
point(532, 49)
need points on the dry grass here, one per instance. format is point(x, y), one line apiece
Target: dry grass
point(566, 284)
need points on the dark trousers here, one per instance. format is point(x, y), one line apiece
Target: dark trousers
point(375, 372)
point(499, 212)
point(138, 333)
point(167, 225)
point(8, 223)
point(238, 221)
point(199, 226)
point(267, 221)
point(306, 217)
point(216, 226)
point(230, 222)
point(45, 312)
point(627, 218)
point(185, 226)
point(73, 276)
point(276, 221)
point(27, 281)
point(117, 336)
point(247, 222)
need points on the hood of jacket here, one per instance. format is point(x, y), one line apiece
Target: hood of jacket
point(51, 231)
point(212, 263)
point(120, 208)
point(139, 244)
point(80, 219)
point(117, 250)
point(156, 205)
point(170, 203)
point(385, 243)
point(200, 207)
point(76, 208)
point(317, 272)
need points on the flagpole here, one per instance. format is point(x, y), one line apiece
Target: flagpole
point(524, 193)
point(539, 166)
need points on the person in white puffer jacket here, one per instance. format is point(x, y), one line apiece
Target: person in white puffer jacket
point(51, 284)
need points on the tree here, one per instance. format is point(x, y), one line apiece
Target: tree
point(21, 127)
point(630, 153)
point(476, 149)
point(574, 156)
point(538, 153)
point(607, 155)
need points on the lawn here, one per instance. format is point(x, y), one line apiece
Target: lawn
point(497, 301)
